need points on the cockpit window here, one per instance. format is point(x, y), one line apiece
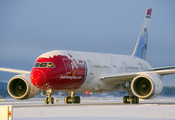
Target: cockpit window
point(44, 64)
point(51, 65)
point(36, 65)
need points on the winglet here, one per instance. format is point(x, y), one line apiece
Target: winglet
point(142, 41)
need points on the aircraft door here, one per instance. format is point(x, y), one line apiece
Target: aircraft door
point(67, 66)
point(125, 67)
point(90, 67)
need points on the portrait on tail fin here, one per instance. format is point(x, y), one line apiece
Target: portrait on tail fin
point(144, 48)
point(142, 41)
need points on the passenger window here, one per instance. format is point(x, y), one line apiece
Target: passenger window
point(43, 65)
point(36, 65)
point(51, 65)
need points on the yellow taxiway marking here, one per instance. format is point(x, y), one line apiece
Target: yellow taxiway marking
point(56, 100)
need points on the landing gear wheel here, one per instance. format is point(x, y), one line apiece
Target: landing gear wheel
point(77, 99)
point(71, 99)
point(46, 101)
point(135, 99)
point(67, 100)
point(51, 100)
point(125, 99)
point(74, 99)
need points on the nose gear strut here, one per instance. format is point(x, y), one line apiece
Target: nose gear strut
point(48, 97)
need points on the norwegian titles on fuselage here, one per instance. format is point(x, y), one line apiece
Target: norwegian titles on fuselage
point(70, 66)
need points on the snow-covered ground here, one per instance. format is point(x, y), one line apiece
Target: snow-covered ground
point(109, 112)
point(149, 109)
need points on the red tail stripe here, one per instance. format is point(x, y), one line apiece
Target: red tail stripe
point(149, 11)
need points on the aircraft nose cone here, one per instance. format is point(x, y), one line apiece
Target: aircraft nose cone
point(38, 78)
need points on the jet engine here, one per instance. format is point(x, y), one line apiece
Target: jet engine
point(20, 87)
point(147, 85)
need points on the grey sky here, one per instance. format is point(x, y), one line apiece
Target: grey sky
point(30, 28)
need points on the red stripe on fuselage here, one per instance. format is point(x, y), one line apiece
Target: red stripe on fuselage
point(68, 74)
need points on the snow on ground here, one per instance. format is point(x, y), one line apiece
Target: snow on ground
point(122, 112)
point(93, 112)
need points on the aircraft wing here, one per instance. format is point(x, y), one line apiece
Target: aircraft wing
point(14, 71)
point(128, 77)
point(118, 78)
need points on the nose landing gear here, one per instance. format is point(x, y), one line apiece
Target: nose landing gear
point(48, 99)
point(72, 99)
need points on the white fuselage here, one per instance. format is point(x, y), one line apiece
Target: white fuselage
point(99, 64)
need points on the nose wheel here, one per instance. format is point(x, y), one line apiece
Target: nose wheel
point(48, 99)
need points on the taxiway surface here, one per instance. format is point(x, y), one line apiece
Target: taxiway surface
point(103, 108)
point(86, 101)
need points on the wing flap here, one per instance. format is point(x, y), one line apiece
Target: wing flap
point(14, 71)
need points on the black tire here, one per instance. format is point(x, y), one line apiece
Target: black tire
point(46, 101)
point(135, 100)
point(74, 100)
point(51, 100)
point(125, 99)
point(66, 100)
point(78, 99)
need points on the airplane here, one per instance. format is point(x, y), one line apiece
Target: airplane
point(72, 71)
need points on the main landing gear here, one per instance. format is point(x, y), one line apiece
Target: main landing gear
point(128, 99)
point(72, 99)
point(131, 98)
point(48, 99)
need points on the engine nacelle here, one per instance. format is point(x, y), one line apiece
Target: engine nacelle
point(147, 85)
point(20, 87)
